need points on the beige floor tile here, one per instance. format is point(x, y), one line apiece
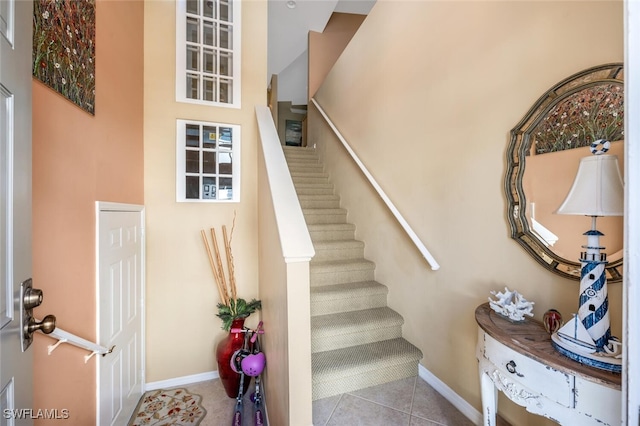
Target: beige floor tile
point(419, 421)
point(397, 395)
point(323, 409)
point(355, 411)
point(430, 405)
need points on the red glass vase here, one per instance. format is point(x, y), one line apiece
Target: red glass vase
point(224, 351)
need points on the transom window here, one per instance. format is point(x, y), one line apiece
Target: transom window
point(208, 52)
point(208, 165)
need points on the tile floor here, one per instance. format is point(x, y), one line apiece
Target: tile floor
point(408, 402)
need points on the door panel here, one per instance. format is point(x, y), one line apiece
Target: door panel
point(15, 207)
point(120, 324)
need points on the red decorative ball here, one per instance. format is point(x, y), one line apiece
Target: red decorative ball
point(552, 320)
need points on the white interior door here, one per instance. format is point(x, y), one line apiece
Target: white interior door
point(120, 304)
point(631, 323)
point(15, 207)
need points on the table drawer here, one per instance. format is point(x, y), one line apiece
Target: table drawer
point(552, 384)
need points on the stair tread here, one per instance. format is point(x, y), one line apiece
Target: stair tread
point(309, 174)
point(337, 244)
point(314, 190)
point(341, 264)
point(306, 163)
point(354, 321)
point(362, 358)
point(331, 210)
point(300, 154)
point(298, 150)
point(317, 197)
point(347, 290)
point(297, 158)
point(331, 227)
point(313, 185)
point(303, 162)
point(305, 168)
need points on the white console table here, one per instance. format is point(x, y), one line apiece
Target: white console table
point(518, 359)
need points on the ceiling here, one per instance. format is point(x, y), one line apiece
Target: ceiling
point(287, 39)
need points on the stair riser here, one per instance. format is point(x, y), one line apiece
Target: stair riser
point(336, 277)
point(308, 173)
point(320, 204)
point(314, 179)
point(324, 388)
point(332, 235)
point(323, 186)
point(335, 306)
point(339, 253)
point(298, 150)
point(311, 190)
point(312, 219)
point(304, 164)
point(306, 168)
point(296, 158)
point(339, 341)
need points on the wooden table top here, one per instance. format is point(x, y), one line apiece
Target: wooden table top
point(532, 340)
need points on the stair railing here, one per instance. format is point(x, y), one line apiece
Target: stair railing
point(294, 235)
point(407, 228)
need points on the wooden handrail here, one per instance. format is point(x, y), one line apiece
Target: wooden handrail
point(421, 247)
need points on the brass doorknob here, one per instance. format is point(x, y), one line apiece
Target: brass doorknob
point(47, 325)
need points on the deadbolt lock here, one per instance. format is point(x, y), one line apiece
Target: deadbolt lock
point(32, 298)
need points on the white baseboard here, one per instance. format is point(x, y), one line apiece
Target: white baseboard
point(181, 381)
point(463, 406)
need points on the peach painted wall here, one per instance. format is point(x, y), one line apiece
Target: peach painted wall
point(79, 159)
point(181, 290)
point(325, 47)
point(426, 93)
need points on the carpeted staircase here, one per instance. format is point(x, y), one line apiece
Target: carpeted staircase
point(356, 340)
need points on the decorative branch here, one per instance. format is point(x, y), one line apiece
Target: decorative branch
point(221, 289)
point(220, 268)
point(231, 307)
point(230, 267)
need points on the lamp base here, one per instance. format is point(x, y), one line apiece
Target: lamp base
point(574, 342)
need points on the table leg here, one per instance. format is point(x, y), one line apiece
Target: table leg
point(489, 400)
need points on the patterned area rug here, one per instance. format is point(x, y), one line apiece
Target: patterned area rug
point(168, 407)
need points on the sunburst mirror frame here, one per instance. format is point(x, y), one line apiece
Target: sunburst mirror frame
point(520, 144)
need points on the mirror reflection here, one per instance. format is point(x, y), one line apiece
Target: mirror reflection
point(543, 158)
point(546, 182)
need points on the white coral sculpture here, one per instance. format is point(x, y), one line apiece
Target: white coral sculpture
point(511, 304)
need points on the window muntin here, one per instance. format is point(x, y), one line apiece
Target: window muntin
point(207, 162)
point(207, 52)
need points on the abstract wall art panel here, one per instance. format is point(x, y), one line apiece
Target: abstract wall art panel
point(64, 33)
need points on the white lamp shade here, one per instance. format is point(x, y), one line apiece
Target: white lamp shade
point(597, 190)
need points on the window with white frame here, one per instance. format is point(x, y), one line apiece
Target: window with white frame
point(208, 52)
point(207, 162)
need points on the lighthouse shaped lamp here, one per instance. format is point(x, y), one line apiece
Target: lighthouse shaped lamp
point(597, 191)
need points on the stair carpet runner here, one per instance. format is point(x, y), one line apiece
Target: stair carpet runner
point(356, 340)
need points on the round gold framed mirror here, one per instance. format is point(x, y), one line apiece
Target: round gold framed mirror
point(542, 159)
